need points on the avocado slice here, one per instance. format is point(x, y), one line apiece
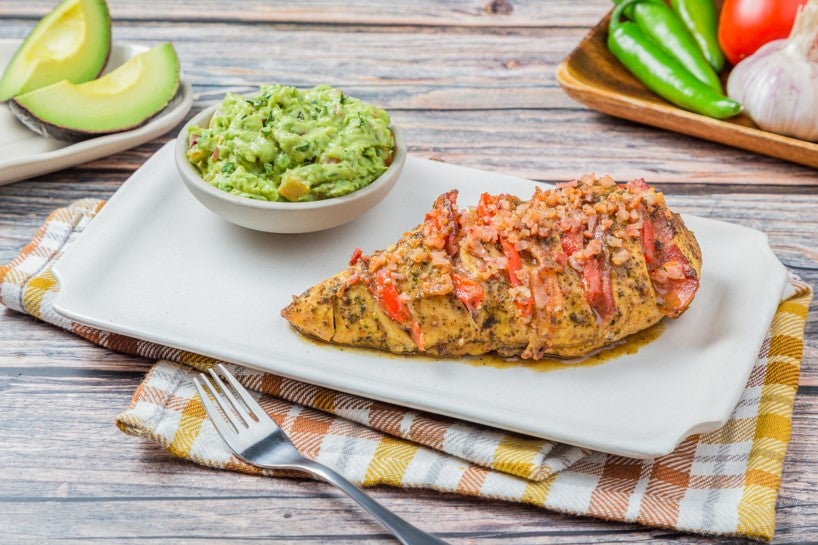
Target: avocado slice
point(121, 100)
point(72, 42)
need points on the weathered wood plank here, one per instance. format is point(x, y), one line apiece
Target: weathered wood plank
point(545, 145)
point(399, 67)
point(469, 13)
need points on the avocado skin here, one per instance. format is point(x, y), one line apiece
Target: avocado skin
point(58, 132)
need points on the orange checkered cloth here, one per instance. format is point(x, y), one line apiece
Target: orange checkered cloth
point(720, 483)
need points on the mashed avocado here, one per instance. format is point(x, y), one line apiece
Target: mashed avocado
point(289, 145)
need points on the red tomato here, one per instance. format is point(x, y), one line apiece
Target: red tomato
point(746, 25)
point(467, 290)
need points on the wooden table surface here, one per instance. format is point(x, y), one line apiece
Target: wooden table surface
point(472, 83)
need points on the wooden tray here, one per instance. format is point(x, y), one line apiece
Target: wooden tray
point(593, 76)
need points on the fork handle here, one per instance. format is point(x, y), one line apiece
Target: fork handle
point(402, 530)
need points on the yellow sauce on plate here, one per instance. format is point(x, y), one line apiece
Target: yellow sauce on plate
point(628, 346)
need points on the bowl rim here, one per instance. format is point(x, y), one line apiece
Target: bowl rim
point(190, 172)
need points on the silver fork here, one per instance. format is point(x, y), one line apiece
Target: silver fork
point(257, 439)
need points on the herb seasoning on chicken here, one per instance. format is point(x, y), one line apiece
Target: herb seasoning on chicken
point(566, 273)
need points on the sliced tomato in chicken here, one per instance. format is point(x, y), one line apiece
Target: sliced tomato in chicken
point(596, 276)
point(605, 306)
point(597, 287)
point(388, 297)
point(389, 300)
point(676, 280)
point(514, 265)
point(571, 242)
point(671, 273)
point(469, 292)
point(592, 280)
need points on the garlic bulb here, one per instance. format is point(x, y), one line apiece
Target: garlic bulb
point(778, 84)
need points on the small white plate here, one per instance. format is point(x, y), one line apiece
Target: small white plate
point(25, 154)
point(156, 265)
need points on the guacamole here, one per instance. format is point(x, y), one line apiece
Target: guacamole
point(284, 144)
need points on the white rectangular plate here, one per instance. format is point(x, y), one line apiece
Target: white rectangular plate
point(158, 266)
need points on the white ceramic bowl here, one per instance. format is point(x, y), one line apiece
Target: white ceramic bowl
point(285, 217)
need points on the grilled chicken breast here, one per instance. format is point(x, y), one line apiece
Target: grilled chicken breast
point(563, 274)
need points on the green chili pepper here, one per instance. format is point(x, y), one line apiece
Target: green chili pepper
point(665, 28)
point(661, 72)
point(702, 20)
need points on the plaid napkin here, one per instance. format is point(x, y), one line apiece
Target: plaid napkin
point(725, 482)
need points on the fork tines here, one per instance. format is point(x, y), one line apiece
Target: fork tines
point(233, 403)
